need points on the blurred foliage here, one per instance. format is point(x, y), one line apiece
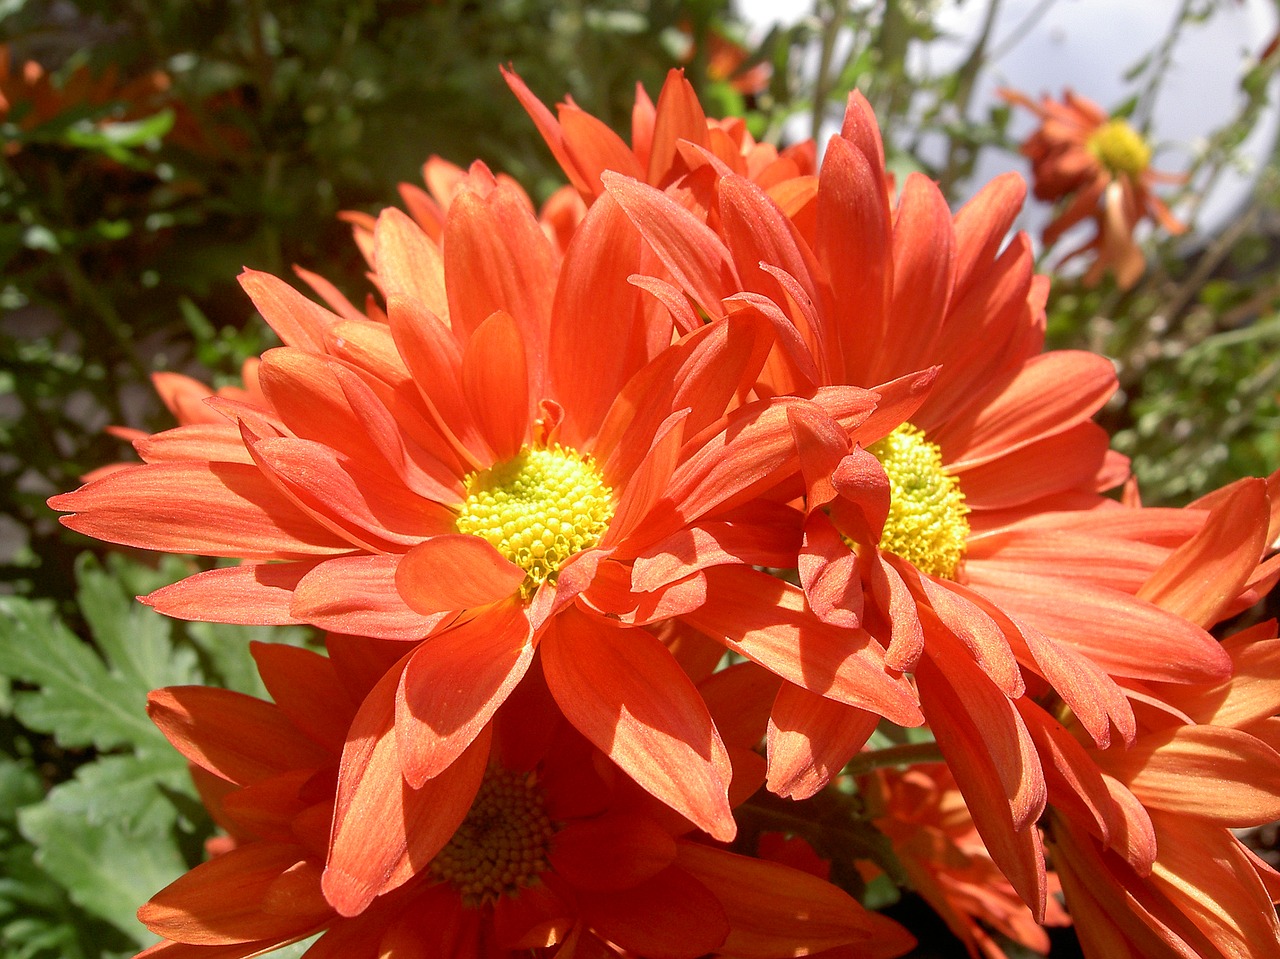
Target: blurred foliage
point(161, 145)
point(97, 811)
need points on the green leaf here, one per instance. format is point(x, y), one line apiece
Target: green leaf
point(135, 640)
point(116, 137)
point(108, 835)
point(88, 698)
point(37, 919)
point(79, 700)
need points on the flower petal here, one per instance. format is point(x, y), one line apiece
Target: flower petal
point(495, 379)
point(671, 916)
point(810, 740)
point(613, 851)
point(775, 910)
point(623, 690)
point(255, 594)
point(224, 900)
point(455, 571)
point(383, 831)
point(358, 595)
point(766, 620)
point(453, 684)
point(237, 737)
point(214, 509)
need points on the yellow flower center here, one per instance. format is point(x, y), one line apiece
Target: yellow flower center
point(503, 844)
point(538, 509)
point(1120, 148)
point(926, 525)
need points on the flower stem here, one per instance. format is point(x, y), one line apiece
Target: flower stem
point(908, 754)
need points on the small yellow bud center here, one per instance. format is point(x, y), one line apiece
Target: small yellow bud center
point(538, 509)
point(503, 844)
point(926, 525)
point(1120, 148)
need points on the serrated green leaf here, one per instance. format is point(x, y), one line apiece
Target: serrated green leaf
point(79, 700)
point(109, 835)
point(224, 649)
point(135, 640)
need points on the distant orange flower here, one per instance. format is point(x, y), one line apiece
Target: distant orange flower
point(525, 844)
point(925, 817)
point(30, 97)
point(1102, 165)
point(725, 59)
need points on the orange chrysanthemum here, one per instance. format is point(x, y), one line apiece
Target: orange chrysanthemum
point(939, 534)
point(526, 844)
point(1101, 165)
point(667, 141)
point(923, 814)
point(487, 468)
point(1142, 836)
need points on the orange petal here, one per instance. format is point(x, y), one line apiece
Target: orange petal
point(384, 832)
point(408, 263)
point(690, 250)
point(775, 910)
point(623, 690)
point(678, 117)
point(306, 689)
point(454, 572)
point(767, 621)
point(358, 595)
point(589, 361)
point(297, 320)
point(671, 916)
point(495, 379)
point(222, 901)
point(454, 683)
point(810, 739)
point(610, 852)
point(1220, 775)
point(257, 594)
point(854, 227)
point(238, 737)
point(215, 509)
point(1204, 575)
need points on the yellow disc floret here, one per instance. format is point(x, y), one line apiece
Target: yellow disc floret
point(1120, 148)
point(926, 524)
point(538, 509)
point(503, 844)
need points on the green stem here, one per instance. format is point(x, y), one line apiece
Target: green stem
point(908, 754)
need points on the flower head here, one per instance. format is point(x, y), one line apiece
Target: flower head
point(486, 468)
point(1099, 165)
point(530, 843)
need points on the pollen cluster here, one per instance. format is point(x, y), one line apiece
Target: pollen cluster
point(503, 844)
point(1120, 148)
point(538, 509)
point(926, 524)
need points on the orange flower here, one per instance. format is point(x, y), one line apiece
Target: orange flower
point(528, 843)
point(1181, 883)
point(1102, 166)
point(29, 97)
point(933, 835)
point(666, 141)
point(938, 532)
point(1142, 836)
point(487, 469)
